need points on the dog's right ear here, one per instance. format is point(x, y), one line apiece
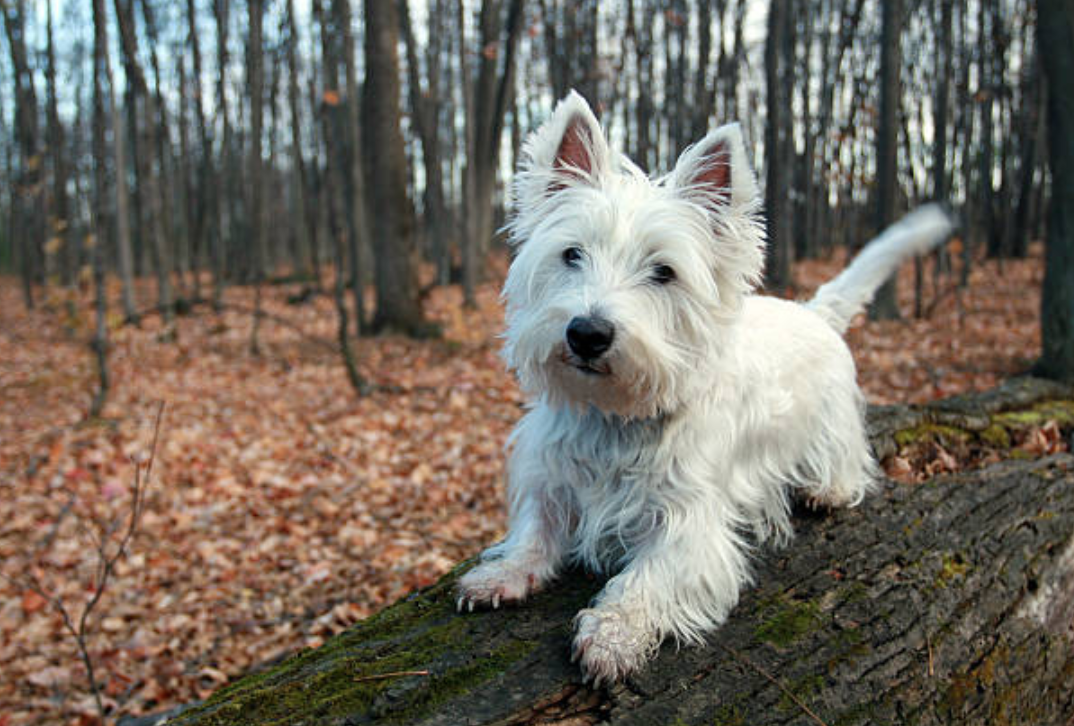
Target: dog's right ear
point(716, 171)
point(569, 149)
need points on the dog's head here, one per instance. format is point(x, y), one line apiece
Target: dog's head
point(623, 288)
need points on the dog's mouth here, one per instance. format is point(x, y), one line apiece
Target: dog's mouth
point(597, 368)
point(591, 370)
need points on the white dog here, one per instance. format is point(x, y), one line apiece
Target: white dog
point(673, 410)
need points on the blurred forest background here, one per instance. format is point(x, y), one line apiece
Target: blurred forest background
point(204, 203)
point(217, 143)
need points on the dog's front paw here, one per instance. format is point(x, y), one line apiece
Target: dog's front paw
point(609, 646)
point(495, 582)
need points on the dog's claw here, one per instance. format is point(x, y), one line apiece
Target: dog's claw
point(470, 604)
point(496, 601)
point(459, 602)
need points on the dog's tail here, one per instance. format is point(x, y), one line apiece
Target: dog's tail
point(840, 299)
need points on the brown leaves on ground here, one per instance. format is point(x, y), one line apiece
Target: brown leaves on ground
point(282, 507)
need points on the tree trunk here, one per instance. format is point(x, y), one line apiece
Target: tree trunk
point(704, 96)
point(944, 602)
point(27, 199)
point(104, 105)
point(398, 304)
point(144, 117)
point(202, 216)
point(1032, 132)
point(172, 250)
point(642, 153)
point(425, 112)
point(305, 263)
point(777, 141)
point(985, 153)
point(61, 242)
point(224, 175)
point(1056, 33)
point(806, 245)
point(940, 186)
point(354, 158)
point(886, 304)
point(255, 82)
point(484, 120)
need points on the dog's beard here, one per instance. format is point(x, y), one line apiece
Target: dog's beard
point(606, 384)
point(631, 386)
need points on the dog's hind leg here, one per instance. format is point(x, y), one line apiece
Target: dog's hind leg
point(839, 468)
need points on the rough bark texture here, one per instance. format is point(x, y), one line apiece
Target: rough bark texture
point(945, 602)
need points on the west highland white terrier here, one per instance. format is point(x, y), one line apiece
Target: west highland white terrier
point(673, 410)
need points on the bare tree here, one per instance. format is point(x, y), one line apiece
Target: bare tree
point(304, 233)
point(778, 140)
point(485, 110)
point(398, 304)
point(425, 107)
point(256, 83)
point(202, 216)
point(27, 205)
point(104, 111)
point(885, 306)
point(1055, 31)
point(144, 125)
point(225, 174)
point(349, 130)
point(1033, 128)
point(60, 228)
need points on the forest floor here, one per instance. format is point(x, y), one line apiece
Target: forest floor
point(281, 506)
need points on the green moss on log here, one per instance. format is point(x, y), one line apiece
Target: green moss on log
point(788, 621)
point(996, 436)
point(368, 670)
point(1060, 411)
point(931, 432)
point(953, 566)
point(729, 714)
point(804, 688)
point(967, 431)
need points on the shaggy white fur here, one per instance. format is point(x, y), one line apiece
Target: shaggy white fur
point(673, 410)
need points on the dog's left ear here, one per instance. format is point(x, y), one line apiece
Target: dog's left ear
point(716, 171)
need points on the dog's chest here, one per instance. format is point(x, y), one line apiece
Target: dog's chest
point(616, 476)
point(599, 454)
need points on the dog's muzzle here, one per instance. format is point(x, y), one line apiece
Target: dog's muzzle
point(589, 337)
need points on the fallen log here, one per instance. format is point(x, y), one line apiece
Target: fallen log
point(950, 601)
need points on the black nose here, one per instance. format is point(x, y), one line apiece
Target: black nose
point(590, 338)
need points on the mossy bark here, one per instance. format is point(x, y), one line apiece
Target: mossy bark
point(986, 419)
point(950, 601)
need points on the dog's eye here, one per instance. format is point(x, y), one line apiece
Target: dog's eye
point(572, 256)
point(662, 274)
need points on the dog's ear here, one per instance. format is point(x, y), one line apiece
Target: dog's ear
point(715, 175)
point(716, 171)
point(577, 155)
point(568, 149)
